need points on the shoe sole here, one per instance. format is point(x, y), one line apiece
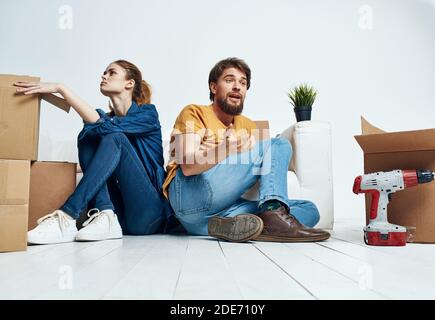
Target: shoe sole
point(65, 240)
point(288, 239)
point(241, 228)
point(99, 238)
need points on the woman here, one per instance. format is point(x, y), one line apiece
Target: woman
point(121, 156)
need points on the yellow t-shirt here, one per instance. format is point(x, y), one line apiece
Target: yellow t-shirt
point(203, 121)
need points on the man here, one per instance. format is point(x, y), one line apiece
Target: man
point(215, 158)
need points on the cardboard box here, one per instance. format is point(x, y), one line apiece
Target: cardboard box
point(14, 199)
point(262, 132)
point(13, 227)
point(14, 182)
point(413, 207)
point(19, 118)
point(51, 183)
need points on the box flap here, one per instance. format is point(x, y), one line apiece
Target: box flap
point(418, 140)
point(368, 128)
point(374, 140)
point(56, 101)
point(7, 80)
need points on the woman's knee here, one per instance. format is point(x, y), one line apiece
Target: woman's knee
point(86, 150)
point(114, 136)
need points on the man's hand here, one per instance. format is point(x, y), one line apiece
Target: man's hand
point(189, 147)
point(246, 143)
point(234, 145)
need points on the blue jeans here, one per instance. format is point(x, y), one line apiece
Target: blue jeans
point(115, 178)
point(218, 191)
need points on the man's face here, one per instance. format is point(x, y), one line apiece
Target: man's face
point(230, 91)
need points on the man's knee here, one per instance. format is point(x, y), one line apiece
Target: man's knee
point(306, 212)
point(312, 213)
point(282, 143)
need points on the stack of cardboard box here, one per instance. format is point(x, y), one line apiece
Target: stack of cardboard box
point(29, 189)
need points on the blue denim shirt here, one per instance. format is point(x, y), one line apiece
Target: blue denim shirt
point(142, 127)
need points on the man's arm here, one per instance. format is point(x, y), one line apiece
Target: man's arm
point(195, 158)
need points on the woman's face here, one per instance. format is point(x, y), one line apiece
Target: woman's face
point(113, 80)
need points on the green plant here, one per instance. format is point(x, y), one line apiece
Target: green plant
point(302, 96)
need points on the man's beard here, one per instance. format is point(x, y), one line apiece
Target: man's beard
point(228, 108)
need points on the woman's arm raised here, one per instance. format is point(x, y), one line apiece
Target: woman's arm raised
point(81, 107)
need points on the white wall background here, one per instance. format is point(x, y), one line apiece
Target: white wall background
point(383, 68)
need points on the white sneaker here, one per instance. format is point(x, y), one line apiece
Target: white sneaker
point(101, 225)
point(56, 227)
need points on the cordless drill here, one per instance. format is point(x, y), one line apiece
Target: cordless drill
point(381, 185)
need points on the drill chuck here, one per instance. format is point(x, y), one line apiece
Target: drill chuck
point(425, 176)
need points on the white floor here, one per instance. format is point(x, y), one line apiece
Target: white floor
point(182, 267)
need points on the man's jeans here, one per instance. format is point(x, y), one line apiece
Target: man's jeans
point(115, 178)
point(218, 191)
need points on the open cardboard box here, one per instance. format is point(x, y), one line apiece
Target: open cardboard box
point(19, 118)
point(414, 207)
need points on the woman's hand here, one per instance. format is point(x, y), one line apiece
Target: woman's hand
point(37, 87)
point(81, 107)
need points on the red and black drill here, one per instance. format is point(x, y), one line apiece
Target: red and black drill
point(381, 185)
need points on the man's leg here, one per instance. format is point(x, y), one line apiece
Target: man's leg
point(273, 174)
point(198, 224)
point(305, 212)
point(267, 162)
point(198, 199)
point(194, 198)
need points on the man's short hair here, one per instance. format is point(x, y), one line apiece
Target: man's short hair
point(219, 68)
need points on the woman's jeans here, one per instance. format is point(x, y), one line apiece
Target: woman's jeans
point(218, 191)
point(114, 178)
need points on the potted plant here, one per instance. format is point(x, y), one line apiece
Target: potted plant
point(302, 98)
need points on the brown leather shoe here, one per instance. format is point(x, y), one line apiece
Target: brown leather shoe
point(241, 228)
point(280, 226)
